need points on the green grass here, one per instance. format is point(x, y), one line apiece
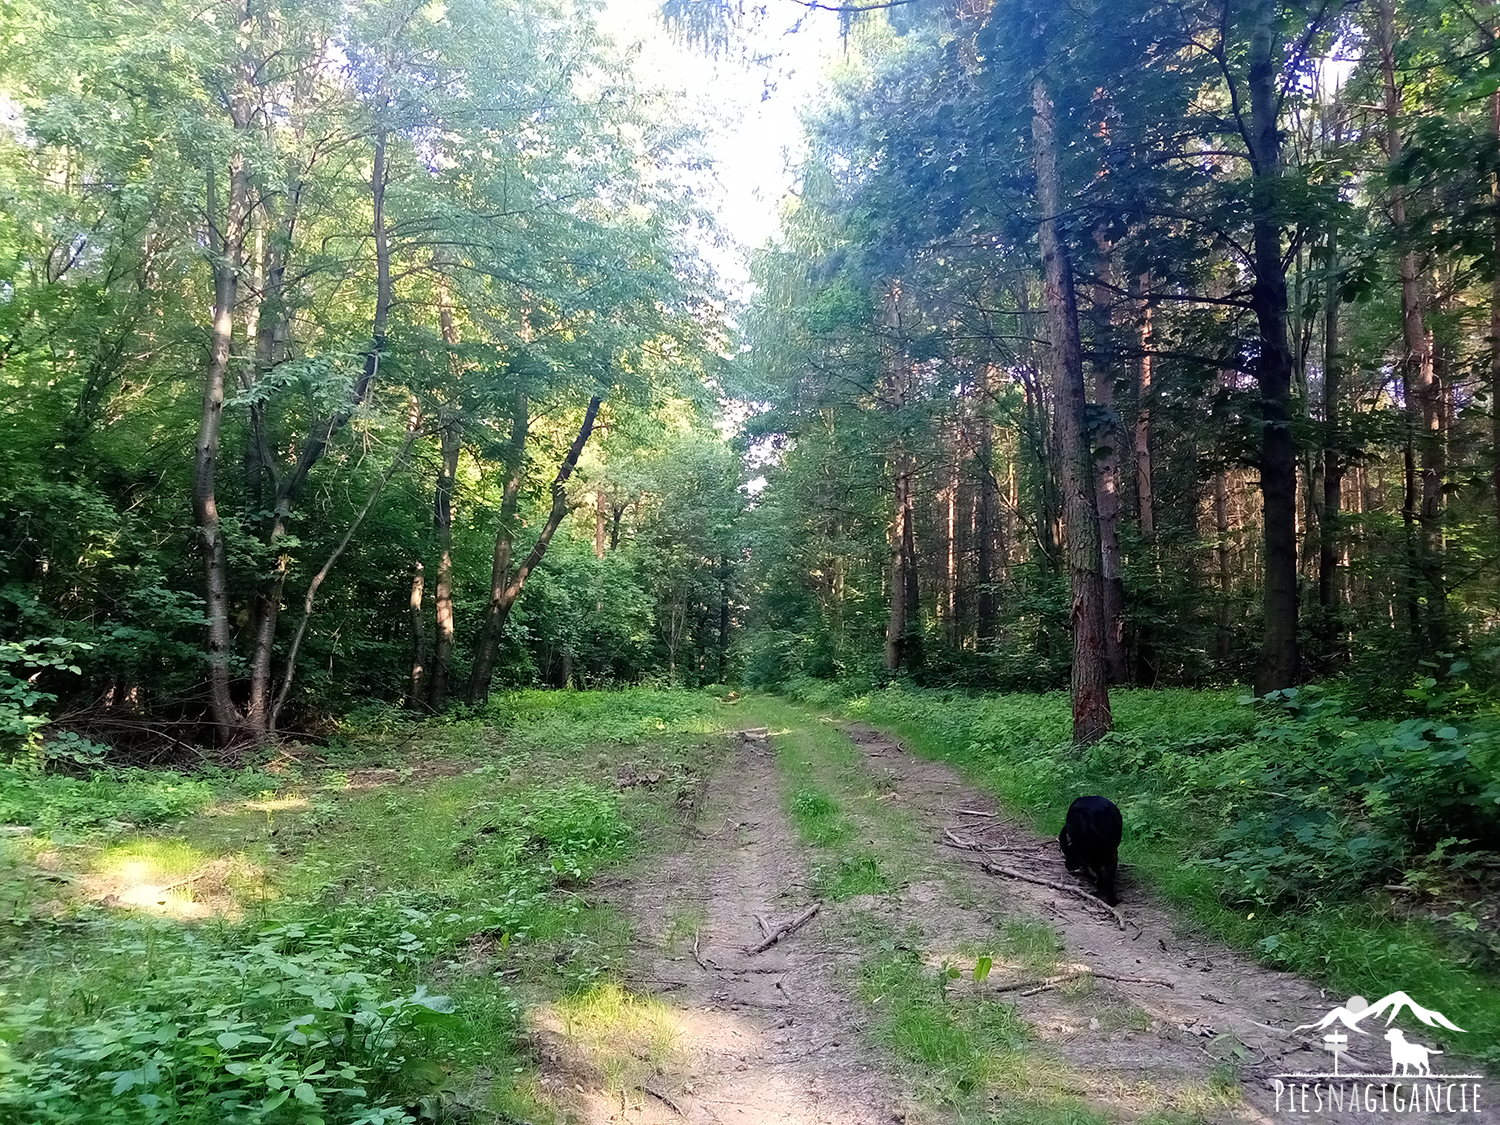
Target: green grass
point(431, 906)
point(1167, 766)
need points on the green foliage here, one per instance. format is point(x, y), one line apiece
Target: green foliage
point(962, 1042)
point(300, 1025)
point(321, 1004)
point(61, 803)
point(21, 664)
point(1321, 808)
point(566, 720)
point(818, 817)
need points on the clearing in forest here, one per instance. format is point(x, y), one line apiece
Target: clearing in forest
point(646, 907)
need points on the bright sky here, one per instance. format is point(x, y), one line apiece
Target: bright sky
point(750, 109)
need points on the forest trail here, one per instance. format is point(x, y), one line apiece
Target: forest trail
point(1153, 1023)
point(757, 1039)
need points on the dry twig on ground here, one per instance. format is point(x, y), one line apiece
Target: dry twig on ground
point(787, 928)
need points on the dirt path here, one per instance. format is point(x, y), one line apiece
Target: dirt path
point(1168, 1026)
point(757, 1039)
point(1213, 1006)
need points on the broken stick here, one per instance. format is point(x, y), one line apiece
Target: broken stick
point(698, 957)
point(666, 1101)
point(954, 841)
point(1032, 987)
point(787, 928)
point(996, 869)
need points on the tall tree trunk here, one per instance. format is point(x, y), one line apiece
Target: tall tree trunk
point(1331, 535)
point(1279, 658)
point(1419, 385)
point(314, 445)
point(601, 524)
point(1495, 311)
point(902, 646)
point(903, 640)
point(450, 444)
point(950, 575)
point(1107, 466)
point(1223, 642)
point(988, 517)
point(442, 525)
point(417, 624)
point(1147, 501)
point(726, 572)
point(505, 588)
point(1091, 712)
point(321, 576)
point(227, 244)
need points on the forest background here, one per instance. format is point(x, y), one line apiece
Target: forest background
point(363, 362)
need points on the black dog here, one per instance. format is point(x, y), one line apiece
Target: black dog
point(1090, 842)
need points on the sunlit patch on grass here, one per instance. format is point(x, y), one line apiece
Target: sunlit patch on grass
point(624, 1037)
point(1032, 943)
point(277, 804)
point(172, 878)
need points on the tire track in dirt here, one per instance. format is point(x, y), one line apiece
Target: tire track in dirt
point(1222, 1006)
point(760, 1039)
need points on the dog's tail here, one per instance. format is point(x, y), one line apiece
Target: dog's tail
point(1433, 1051)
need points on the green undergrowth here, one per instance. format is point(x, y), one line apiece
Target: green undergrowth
point(1279, 826)
point(64, 804)
point(973, 1050)
point(359, 944)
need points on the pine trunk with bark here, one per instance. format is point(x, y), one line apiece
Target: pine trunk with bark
point(1091, 711)
point(1146, 502)
point(1423, 394)
point(1279, 665)
point(1331, 532)
point(1107, 467)
point(986, 518)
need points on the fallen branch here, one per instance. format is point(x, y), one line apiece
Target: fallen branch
point(1032, 987)
point(786, 929)
point(765, 927)
point(702, 964)
point(666, 1101)
point(953, 841)
point(973, 812)
point(996, 869)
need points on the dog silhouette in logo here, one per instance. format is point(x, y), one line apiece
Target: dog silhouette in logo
point(1407, 1055)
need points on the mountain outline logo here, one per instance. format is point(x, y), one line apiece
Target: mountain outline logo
point(1411, 1085)
point(1357, 1010)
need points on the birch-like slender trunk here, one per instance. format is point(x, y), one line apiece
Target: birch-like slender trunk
point(227, 241)
point(505, 587)
point(314, 445)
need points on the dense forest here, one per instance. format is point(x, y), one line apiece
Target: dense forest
point(368, 354)
point(407, 512)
